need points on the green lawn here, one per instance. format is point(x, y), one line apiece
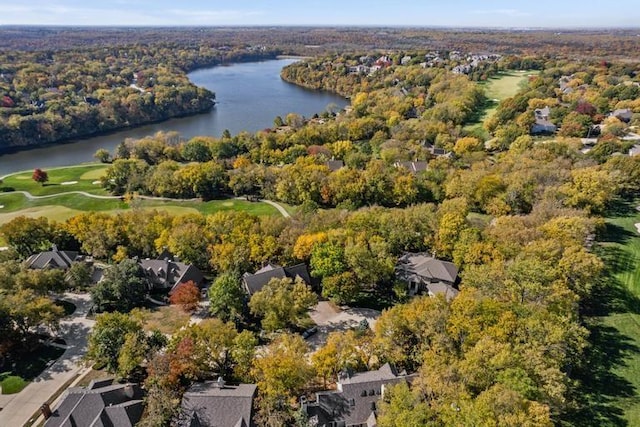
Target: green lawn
point(501, 86)
point(610, 377)
point(60, 180)
point(27, 367)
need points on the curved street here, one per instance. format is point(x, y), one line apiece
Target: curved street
point(18, 408)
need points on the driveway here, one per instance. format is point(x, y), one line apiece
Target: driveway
point(18, 408)
point(331, 318)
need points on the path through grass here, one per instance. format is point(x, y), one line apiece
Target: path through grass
point(501, 86)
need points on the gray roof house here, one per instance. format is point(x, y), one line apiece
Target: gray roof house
point(355, 401)
point(216, 404)
point(54, 258)
point(622, 114)
point(424, 273)
point(168, 273)
point(253, 283)
point(334, 165)
point(101, 404)
point(413, 167)
point(542, 123)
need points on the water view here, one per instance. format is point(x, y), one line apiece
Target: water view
point(249, 96)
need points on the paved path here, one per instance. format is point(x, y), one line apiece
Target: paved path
point(30, 196)
point(74, 330)
point(278, 206)
point(331, 318)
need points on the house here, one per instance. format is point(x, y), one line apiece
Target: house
point(624, 114)
point(216, 404)
point(413, 167)
point(102, 403)
point(437, 151)
point(167, 272)
point(253, 283)
point(54, 258)
point(424, 273)
point(355, 402)
point(334, 165)
point(542, 123)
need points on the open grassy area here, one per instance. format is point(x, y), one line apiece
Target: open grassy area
point(60, 180)
point(610, 377)
point(501, 86)
point(167, 319)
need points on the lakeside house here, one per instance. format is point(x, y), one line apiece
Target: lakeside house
point(55, 258)
point(413, 167)
point(167, 272)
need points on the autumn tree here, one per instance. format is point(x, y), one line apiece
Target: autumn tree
point(40, 176)
point(281, 373)
point(186, 295)
point(282, 303)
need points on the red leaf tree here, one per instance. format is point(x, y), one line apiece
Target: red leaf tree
point(40, 176)
point(186, 295)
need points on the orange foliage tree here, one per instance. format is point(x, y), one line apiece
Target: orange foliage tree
point(186, 295)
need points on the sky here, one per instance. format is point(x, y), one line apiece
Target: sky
point(428, 13)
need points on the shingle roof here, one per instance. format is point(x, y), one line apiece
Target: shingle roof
point(52, 259)
point(102, 403)
point(165, 273)
point(255, 282)
point(427, 267)
point(215, 406)
point(356, 400)
point(334, 165)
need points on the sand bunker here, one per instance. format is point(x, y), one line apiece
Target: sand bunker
point(96, 182)
point(637, 224)
point(68, 182)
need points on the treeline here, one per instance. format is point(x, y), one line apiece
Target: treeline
point(602, 43)
point(51, 96)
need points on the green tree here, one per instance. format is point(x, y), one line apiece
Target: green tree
point(123, 287)
point(28, 235)
point(79, 275)
point(226, 298)
point(108, 336)
point(102, 155)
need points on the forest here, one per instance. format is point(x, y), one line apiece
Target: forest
point(398, 171)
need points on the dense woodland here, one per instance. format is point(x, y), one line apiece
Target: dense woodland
point(56, 95)
point(518, 214)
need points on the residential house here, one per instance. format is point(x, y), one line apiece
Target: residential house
point(355, 402)
point(624, 114)
point(102, 403)
point(253, 283)
point(542, 123)
point(437, 151)
point(413, 167)
point(424, 273)
point(54, 258)
point(334, 165)
point(216, 404)
point(167, 272)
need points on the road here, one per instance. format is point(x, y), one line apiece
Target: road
point(18, 408)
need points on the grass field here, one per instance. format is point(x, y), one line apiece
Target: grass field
point(611, 375)
point(501, 86)
point(60, 180)
point(167, 320)
point(62, 206)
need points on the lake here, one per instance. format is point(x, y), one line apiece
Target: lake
point(248, 97)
